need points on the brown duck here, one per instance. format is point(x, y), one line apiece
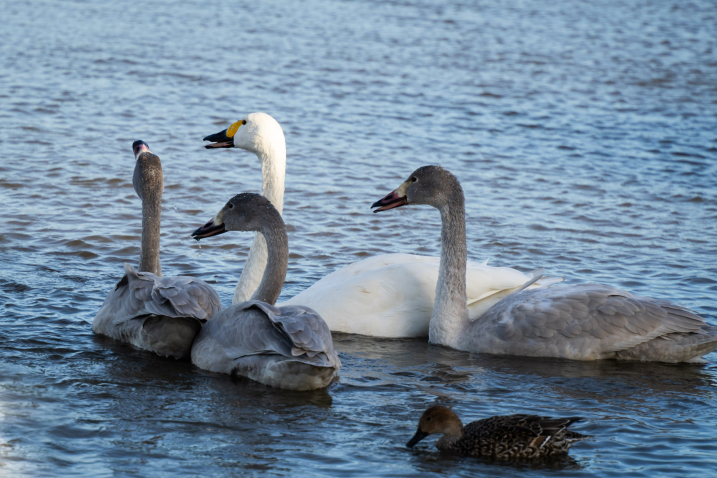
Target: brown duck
point(504, 437)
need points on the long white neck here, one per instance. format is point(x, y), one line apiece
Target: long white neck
point(273, 171)
point(450, 314)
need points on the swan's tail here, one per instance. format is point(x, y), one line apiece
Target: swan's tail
point(478, 305)
point(540, 280)
point(677, 347)
point(169, 336)
point(537, 275)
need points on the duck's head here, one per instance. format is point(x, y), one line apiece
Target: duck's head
point(431, 185)
point(256, 132)
point(437, 419)
point(243, 212)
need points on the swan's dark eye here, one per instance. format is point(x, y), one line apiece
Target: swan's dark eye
point(243, 121)
point(414, 179)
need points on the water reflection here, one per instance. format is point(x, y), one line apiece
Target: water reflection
point(584, 145)
point(444, 463)
point(414, 358)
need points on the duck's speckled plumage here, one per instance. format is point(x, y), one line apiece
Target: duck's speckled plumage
point(507, 437)
point(515, 436)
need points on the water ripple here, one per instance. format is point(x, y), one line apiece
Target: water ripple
point(583, 135)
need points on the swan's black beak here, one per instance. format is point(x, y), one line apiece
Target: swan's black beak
point(416, 438)
point(219, 140)
point(392, 200)
point(209, 230)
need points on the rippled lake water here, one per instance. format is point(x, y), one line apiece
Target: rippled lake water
point(585, 137)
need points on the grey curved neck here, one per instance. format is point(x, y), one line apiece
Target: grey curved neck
point(277, 244)
point(450, 312)
point(148, 184)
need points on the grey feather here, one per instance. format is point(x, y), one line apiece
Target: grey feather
point(582, 322)
point(140, 295)
point(155, 313)
point(287, 347)
point(590, 321)
point(257, 328)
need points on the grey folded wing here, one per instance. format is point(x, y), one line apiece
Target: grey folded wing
point(590, 317)
point(255, 328)
point(184, 297)
point(143, 293)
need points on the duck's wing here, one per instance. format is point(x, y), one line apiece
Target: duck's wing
point(540, 425)
point(257, 328)
point(584, 321)
point(530, 429)
point(501, 429)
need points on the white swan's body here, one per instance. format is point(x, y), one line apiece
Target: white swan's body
point(392, 295)
point(579, 322)
point(154, 313)
point(286, 346)
point(364, 297)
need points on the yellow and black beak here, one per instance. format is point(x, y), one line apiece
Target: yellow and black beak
point(224, 139)
point(396, 198)
point(219, 140)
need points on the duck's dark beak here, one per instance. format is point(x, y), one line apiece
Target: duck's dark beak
point(209, 230)
point(219, 140)
point(390, 201)
point(417, 437)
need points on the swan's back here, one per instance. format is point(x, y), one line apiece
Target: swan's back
point(589, 322)
point(392, 295)
point(138, 296)
point(286, 347)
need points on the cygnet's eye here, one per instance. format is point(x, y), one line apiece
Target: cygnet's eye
point(414, 179)
point(230, 205)
point(428, 419)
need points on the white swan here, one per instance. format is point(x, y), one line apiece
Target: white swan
point(286, 347)
point(580, 322)
point(151, 312)
point(388, 295)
